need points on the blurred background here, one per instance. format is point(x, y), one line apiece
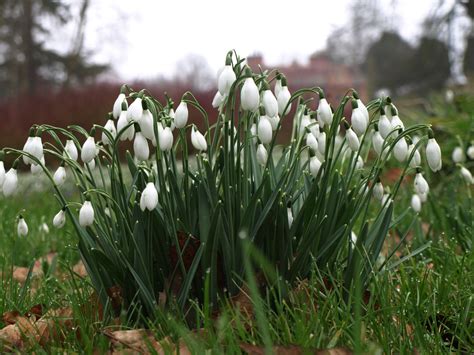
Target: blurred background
point(63, 61)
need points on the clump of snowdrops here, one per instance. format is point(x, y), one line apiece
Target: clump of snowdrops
point(180, 220)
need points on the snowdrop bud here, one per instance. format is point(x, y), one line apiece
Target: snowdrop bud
point(401, 149)
point(26, 159)
point(423, 197)
point(249, 95)
point(305, 122)
point(362, 107)
point(314, 127)
point(385, 127)
point(253, 133)
point(121, 124)
point(289, 213)
point(467, 176)
point(458, 155)
point(217, 100)
point(360, 163)
point(264, 130)
point(91, 164)
point(36, 168)
point(377, 141)
point(11, 182)
point(278, 85)
point(117, 109)
point(2, 173)
point(181, 115)
point(135, 111)
point(140, 146)
point(314, 165)
point(396, 122)
point(44, 228)
point(324, 110)
point(270, 103)
point(274, 121)
point(89, 150)
point(416, 160)
point(226, 79)
point(70, 150)
point(197, 139)
point(149, 197)
point(166, 139)
point(358, 119)
point(109, 126)
point(322, 142)
point(59, 219)
point(33, 146)
point(146, 125)
point(60, 176)
point(385, 199)
point(283, 98)
point(416, 203)
point(470, 152)
point(352, 139)
point(86, 214)
point(262, 155)
point(22, 227)
point(312, 142)
point(433, 153)
point(378, 190)
point(421, 186)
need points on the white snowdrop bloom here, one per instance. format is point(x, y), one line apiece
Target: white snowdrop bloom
point(458, 155)
point(467, 176)
point(449, 96)
point(109, 126)
point(89, 150)
point(360, 163)
point(122, 123)
point(289, 214)
point(225, 80)
point(146, 125)
point(423, 197)
point(314, 127)
point(59, 219)
point(26, 159)
point(388, 110)
point(305, 122)
point(264, 130)
point(44, 228)
point(364, 110)
point(33, 146)
point(70, 150)
point(358, 119)
point(270, 103)
point(60, 176)
point(278, 86)
point(416, 160)
point(324, 111)
point(377, 142)
point(166, 139)
point(149, 197)
point(117, 108)
point(262, 155)
point(86, 214)
point(397, 122)
point(249, 95)
point(421, 186)
point(385, 127)
point(36, 168)
point(352, 140)
point(378, 190)
point(2, 173)
point(470, 152)
point(22, 227)
point(401, 150)
point(322, 143)
point(253, 133)
point(135, 111)
point(91, 164)
point(283, 98)
point(217, 100)
point(181, 115)
point(386, 199)
point(140, 147)
point(274, 121)
point(107, 212)
point(416, 203)
point(197, 139)
point(415, 139)
point(312, 142)
point(11, 182)
point(433, 155)
point(353, 239)
point(314, 165)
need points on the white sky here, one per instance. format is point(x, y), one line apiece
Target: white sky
point(145, 38)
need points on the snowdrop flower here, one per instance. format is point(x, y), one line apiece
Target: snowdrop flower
point(378, 190)
point(22, 227)
point(262, 155)
point(322, 142)
point(458, 155)
point(269, 102)
point(289, 214)
point(358, 119)
point(449, 96)
point(416, 203)
point(135, 111)
point(377, 141)
point(324, 110)
point(385, 127)
point(264, 130)
point(352, 139)
point(278, 85)
point(44, 228)
point(401, 149)
point(360, 163)
point(253, 133)
point(314, 165)
point(385, 199)
point(470, 152)
point(396, 122)
point(36, 147)
point(415, 139)
point(314, 127)
point(91, 164)
point(421, 186)
point(166, 138)
point(11, 181)
point(36, 168)
point(305, 122)
point(181, 115)
point(217, 100)
point(467, 176)
point(140, 146)
point(59, 219)
point(89, 150)
point(2, 173)
point(283, 98)
point(149, 197)
point(86, 214)
point(70, 150)
point(423, 197)
point(226, 79)
point(312, 142)
point(249, 95)
point(122, 122)
point(388, 108)
point(26, 159)
point(109, 126)
point(416, 160)
point(362, 107)
point(146, 124)
point(117, 108)
point(60, 176)
point(274, 121)
point(433, 153)
point(198, 140)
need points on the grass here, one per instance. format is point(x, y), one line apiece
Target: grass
point(424, 303)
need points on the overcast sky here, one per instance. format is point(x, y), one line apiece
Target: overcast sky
point(145, 38)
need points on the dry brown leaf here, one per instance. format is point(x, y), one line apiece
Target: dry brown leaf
point(80, 269)
point(292, 350)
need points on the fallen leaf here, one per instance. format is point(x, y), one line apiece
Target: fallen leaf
point(292, 350)
point(80, 269)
